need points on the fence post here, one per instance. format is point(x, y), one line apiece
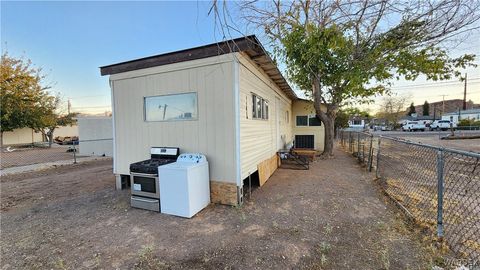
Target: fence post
point(350, 141)
point(377, 168)
point(74, 154)
point(440, 189)
point(341, 137)
point(358, 146)
point(370, 155)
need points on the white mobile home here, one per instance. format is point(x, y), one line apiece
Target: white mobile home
point(226, 100)
point(455, 117)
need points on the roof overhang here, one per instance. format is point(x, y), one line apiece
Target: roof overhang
point(250, 45)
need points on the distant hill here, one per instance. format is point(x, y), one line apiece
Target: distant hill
point(451, 105)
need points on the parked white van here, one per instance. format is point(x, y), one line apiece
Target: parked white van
point(414, 126)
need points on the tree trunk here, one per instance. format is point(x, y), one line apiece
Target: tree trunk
point(329, 138)
point(50, 137)
point(327, 118)
point(1, 139)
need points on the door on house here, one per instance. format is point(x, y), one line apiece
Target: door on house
point(277, 124)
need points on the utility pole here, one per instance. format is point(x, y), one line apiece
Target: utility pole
point(443, 103)
point(69, 105)
point(164, 111)
point(465, 93)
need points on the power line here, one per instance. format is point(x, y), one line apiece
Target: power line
point(435, 84)
point(91, 107)
point(82, 97)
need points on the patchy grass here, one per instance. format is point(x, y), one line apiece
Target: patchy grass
point(148, 261)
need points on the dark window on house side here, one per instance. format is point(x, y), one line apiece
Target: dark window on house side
point(314, 122)
point(302, 120)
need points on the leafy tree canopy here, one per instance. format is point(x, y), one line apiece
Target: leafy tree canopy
point(21, 92)
point(25, 101)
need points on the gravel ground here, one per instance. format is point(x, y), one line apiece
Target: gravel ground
point(329, 217)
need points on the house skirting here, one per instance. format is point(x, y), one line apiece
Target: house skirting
point(224, 193)
point(266, 168)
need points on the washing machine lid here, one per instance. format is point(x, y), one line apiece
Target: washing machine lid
point(181, 166)
point(192, 158)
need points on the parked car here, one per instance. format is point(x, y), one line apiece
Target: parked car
point(442, 125)
point(414, 126)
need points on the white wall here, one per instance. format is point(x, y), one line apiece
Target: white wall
point(258, 138)
point(66, 131)
point(95, 136)
point(213, 133)
point(21, 136)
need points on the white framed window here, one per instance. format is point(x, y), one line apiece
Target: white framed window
point(259, 107)
point(175, 107)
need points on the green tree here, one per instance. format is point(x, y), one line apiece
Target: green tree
point(25, 101)
point(21, 91)
point(426, 108)
point(341, 51)
point(342, 119)
point(411, 110)
point(47, 117)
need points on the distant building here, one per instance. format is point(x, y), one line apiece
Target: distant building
point(455, 117)
point(451, 105)
point(359, 122)
point(95, 135)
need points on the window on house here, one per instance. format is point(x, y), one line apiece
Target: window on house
point(308, 120)
point(287, 117)
point(264, 109)
point(259, 107)
point(313, 121)
point(175, 107)
point(302, 120)
point(357, 122)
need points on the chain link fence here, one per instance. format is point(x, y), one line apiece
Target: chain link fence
point(438, 187)
point(28, 157)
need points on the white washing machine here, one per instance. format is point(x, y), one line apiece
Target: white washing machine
point(184, 185)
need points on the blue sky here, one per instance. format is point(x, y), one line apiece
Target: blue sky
point(70, 40)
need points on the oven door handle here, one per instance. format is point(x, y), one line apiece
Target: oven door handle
point(145, 175)
point(144, 200)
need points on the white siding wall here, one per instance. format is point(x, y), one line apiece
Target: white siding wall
point(212, 134)
point(95, 135)
point(258, 138)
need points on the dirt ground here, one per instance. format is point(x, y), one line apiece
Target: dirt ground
point(433, 138)
point(28, 156)
point(329, 217)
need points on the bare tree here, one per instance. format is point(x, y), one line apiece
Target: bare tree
point(392, 108)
